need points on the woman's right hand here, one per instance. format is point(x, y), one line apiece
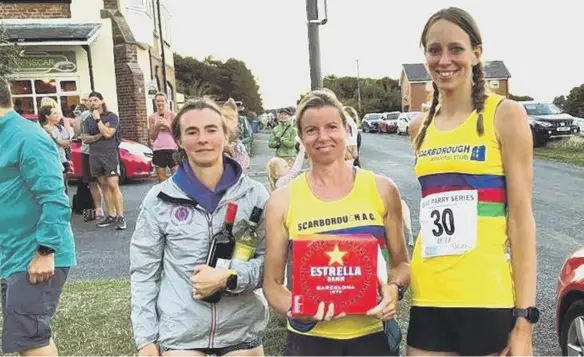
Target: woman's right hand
point(150, 350)
point(321, 314)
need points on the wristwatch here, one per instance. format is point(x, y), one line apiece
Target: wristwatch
point(44, 250)
point(232, 280)
point(531, 314)
point(400, 290)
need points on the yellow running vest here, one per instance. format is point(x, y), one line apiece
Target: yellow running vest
point(361, 211)
point(459, 259)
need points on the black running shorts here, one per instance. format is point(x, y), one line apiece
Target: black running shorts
point(465, 331)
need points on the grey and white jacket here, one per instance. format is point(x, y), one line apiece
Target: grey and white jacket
point(172, 236)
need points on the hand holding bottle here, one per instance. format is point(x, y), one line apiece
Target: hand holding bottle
point(207, 280)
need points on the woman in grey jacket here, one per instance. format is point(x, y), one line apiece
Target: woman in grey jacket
point(169, 248)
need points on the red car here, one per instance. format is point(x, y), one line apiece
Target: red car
point(389, 122)
point(135, 160)
point(570, 305)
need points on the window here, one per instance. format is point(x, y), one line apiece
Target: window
point(166, 24)
point(27, 94)
point(494, 84)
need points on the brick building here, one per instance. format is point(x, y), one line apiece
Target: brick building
point(416, 84)
point(70, 47)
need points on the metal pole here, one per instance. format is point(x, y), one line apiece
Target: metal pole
point(162, 45)
point(313, 44)
point(358, 86)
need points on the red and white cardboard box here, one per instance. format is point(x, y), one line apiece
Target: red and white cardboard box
point(339, 269)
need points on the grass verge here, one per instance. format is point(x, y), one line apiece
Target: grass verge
point(569, 151)
point(94, 320)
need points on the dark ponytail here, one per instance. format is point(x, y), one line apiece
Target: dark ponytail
point(479, 95)
point(429, 117)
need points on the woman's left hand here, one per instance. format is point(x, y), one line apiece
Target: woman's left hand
point(520, 340)
point(207, 280)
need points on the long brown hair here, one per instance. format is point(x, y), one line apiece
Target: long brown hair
point(197, 104)
point(466, 22)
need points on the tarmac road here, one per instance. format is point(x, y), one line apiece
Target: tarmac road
point(103, 252)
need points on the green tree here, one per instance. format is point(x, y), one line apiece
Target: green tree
point(9, 55)
point(575, 102)
point(220, 80)
point(377, 95)
point(560, 102)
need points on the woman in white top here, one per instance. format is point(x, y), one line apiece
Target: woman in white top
point(352, 153)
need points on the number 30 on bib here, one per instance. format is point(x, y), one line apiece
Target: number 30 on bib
point(448, 222)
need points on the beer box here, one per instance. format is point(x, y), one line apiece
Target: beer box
point(341, 269)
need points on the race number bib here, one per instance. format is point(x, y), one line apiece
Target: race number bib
point(448, 222)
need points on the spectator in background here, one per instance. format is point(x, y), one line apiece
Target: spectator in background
point(37, 242)
point(283, 137)
point(49, 120)
point(244, 132)
point(163, 146)
point(235, 145)
point(104, 160)
point(82, 113)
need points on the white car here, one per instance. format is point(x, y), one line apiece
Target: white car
point(580, 123)
point(403, 122)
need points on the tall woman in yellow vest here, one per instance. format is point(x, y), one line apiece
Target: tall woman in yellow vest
point(474, 162)
point(332, 189)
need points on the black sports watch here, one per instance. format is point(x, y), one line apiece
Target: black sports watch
point(44, 250)
point(531, 314)
point(232, 281)
point(400, 290)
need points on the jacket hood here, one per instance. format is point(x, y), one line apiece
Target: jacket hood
point(192, 187)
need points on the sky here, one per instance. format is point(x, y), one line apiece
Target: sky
point(536, 42)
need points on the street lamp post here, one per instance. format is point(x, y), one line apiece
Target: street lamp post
point(314, 42)
point(358, 86)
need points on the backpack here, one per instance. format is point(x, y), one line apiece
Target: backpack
point(82, 200)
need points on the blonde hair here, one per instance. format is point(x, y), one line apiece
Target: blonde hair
point(231, 116)
point(274, 170)
point(352, 112)
point(197, 104)
point(318, 99)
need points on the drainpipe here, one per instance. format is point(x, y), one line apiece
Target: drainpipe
point(87, 49)
point(162, 45)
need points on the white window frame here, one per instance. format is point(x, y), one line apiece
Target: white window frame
point(57, 94)
point(494, 84)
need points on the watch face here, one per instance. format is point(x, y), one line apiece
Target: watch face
point(533, 313)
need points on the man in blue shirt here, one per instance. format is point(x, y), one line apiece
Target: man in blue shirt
point(36, 241)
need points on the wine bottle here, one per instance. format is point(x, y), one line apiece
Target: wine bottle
point(247, 240)
point(222, 245)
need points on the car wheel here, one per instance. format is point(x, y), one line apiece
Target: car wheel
point(572, 330)
point(123, 175)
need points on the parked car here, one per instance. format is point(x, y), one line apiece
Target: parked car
point(403, 122)
point(580, 123)
point(370, 122)
point(547, 121)
point(570, 305)
point(389, 122)
point(135, 160)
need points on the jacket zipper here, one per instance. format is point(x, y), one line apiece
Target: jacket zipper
point(213, 308)
point(209, 217)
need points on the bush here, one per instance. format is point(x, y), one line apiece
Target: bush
point(573, 143)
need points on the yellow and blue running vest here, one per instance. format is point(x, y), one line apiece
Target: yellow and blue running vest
point(460, 255)
point(361, 211)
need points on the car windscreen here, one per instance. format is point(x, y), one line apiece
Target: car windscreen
point(541, 109)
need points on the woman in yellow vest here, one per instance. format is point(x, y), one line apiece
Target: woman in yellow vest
point(333, 189)
point(474, 162)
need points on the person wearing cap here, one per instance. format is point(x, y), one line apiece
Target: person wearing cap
point(283, 136)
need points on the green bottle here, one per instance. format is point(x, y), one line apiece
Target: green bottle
point(246, 240)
